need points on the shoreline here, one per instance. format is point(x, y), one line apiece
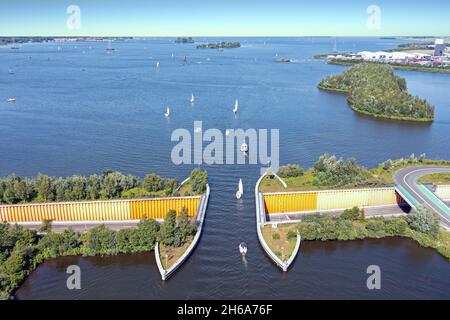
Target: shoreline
point(393, 65)
point(374, 115)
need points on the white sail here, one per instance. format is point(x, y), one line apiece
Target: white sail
point(243, 248)
point(192, 98)
point(236, 105)
point(241, 187)
point(157, 64)
point(167, 112)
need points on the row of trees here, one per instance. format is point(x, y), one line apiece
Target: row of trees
point(21, 250)
point(109, 185)
point(352, 224)
point(374, 89)
point(337, 172)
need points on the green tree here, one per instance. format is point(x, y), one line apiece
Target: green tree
point(424, 220)
point(198, 180)
point(351, 214)
point(44, 187)
point(153, 182)
point(168, 229)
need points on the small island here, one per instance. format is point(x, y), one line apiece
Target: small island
point(220, 45)
point(184, 40)
point(282, 60)
point(374, 90)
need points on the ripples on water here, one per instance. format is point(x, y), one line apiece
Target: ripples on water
point(82, 113)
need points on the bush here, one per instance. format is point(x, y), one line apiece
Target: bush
point(395, 226)
point(308, 230)
point(351, 214)
point(276, 236)
point(290, 171)
point(424, 220)
point(331, 171)
point(375, 228)
point(99, 241)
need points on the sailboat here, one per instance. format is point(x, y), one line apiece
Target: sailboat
point(240, 191)
point(192, 98)
point(236, 104)
point(243, 248)
point(167, 113)
point(334, 46)
point(110, 48)
point(157, 64)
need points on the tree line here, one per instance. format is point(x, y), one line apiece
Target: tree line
point(109, 185)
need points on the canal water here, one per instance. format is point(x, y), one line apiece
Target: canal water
point(80, 110)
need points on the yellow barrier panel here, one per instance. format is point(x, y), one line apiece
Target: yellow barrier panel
point(158, 208)
point(328, 200)
point(154, 208)
point(443, 191)
point(290, 202)
point(344, 199)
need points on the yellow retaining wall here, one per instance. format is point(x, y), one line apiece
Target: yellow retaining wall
point(290, 202)
point(343, 199)
point(98, 210)
point(443, 191)
point(328, 200)
point(158, 208)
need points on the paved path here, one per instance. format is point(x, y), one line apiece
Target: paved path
point(407, 180)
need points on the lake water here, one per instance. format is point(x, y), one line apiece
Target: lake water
point(80, 110)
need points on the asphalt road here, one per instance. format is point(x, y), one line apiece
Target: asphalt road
point(408, 177)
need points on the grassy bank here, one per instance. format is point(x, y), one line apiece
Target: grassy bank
point(281, 240)
point(436, 178)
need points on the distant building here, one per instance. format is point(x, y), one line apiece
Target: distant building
point(439, 48)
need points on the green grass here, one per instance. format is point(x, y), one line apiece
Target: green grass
point(387, 175)
point(436, 178)
point(282, 247)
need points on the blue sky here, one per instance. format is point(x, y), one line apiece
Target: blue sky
point(224, 17)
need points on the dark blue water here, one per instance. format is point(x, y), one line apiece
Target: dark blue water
point(80, 110)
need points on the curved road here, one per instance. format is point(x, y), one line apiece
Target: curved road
point(407, 178)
